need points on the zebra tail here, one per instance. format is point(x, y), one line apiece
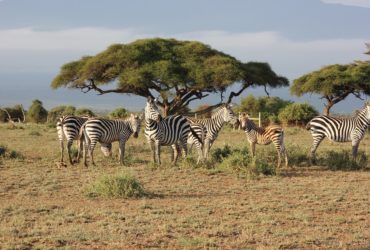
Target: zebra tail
point(196, 136)
point(81, 137)
point(308, 125)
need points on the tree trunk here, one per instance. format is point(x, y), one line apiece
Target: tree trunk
point(327, 108)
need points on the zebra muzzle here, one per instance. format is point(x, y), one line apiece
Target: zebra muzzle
point(136, 135)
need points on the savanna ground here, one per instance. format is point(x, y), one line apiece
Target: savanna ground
point(304, 207)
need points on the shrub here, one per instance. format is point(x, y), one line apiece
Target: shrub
point(220, 153)
point(84, 111)
point(115, 186)
point(118, 113)
point(343, 160)
point(7, 153)
point(37, 113)
point(297, 113)
point(16, 112)
point(59, 111)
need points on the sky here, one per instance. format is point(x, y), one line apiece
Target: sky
point(295, 36)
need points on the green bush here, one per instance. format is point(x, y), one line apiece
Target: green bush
point(115, 186)
point(297, 114)
point(343, 160)
point(218, 154)
point(118, 113)
point(37, 113)
point(84, 112)
point(59, 111)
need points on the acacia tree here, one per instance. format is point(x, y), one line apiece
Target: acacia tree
point(334, 83)
point(178, 71)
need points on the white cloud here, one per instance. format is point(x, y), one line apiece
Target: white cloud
point(31, 50)
point(358, 3)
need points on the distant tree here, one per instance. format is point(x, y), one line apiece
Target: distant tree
point(178, 71)
point(16, 113)
point(297, 113)
point(335, 82)
point(37, 113)
point(84, 112)
point(118, 113)
point(368, 48)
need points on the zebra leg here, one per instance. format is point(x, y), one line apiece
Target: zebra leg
point(206, 147)
point(69, 146)
point(121, 151)
point(253, 149)
point(285, 155)
point(80, 149)
point(91, 152)
point(86, 150)
point(152, 147)
point(175, 153)
point(61, 143)
point(200, 152)
point(157, 149)
point(355, 145)
point(316, 142)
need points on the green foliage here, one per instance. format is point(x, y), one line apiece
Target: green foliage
point(118, 113)
point(59, 111)
point(344, 161)
point(268, 106)
point(240, 161)
point(178, 70)
point(335, 82)
point(37, 113)
point(297, 113)
point(84, 112)
point(115, 186)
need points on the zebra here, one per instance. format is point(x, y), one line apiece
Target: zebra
point(69, 126)
point(264, 136)
point(107, 131)
point(213, 125)
point(339, 129)
point(201, 131)
point(170, 131)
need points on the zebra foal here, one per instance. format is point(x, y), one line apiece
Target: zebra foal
point(107, 131)
point(339, 129)
point(264, 136)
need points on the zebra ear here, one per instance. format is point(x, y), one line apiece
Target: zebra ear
point(150, 99)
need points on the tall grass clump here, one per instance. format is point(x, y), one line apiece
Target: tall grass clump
point(7, 153)
point(240, 160)
point(343, 160)
point(115, 186)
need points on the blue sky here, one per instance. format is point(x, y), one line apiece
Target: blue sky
point(294, 36)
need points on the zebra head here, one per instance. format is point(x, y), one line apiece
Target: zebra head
point(227, 114)
point(243, 119)
point(135, 122)
point(367, 104)
point(151, 110)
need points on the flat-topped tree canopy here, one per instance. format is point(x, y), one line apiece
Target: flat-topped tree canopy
point(335, 82)
point(178, 71)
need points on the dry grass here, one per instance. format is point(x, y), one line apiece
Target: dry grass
point(42, 206)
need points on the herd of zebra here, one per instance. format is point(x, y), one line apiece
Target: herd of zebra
point(181, 132)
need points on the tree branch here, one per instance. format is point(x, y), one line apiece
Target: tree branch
point(233, 94)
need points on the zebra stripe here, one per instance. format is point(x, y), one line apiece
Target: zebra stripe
point(213, 125)
point(107, 131)
point(172, 130)
point(201, 131)
point(69, 127)
point(339, 129)
point(264, 136)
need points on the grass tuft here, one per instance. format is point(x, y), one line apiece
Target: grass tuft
point(115, 186)
point(7, 153)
